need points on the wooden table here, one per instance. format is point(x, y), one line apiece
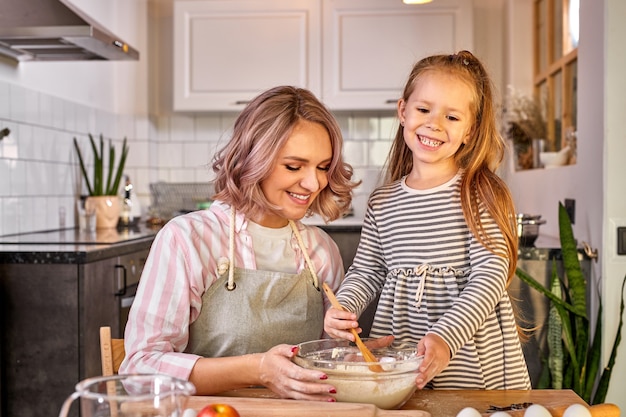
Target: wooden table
point(260, 402)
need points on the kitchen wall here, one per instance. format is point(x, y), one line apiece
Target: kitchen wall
point(39, 175)
point(41, 178)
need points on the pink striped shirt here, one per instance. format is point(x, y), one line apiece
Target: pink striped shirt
point(181, 266)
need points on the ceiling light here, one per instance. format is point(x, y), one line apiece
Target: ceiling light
point(416, 1)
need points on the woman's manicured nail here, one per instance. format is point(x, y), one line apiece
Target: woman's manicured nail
point(331, 400)
point(332, 391)
point(324, 377)
point(294, 349)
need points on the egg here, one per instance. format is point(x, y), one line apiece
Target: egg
point(537, 410)
point(500, 414)
point(190, 413)
point(577, 410)
point(468, 412)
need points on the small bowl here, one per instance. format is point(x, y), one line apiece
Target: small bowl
point(354, 380)
point(554, 159)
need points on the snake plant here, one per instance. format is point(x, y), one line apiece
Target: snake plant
point(573, 356)
point(98, 187)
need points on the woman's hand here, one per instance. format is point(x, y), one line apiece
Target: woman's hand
point(278, 373)
point(436, 358)
point(337, 324)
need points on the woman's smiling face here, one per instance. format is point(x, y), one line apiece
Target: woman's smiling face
point(437, 117)
point(299, 174)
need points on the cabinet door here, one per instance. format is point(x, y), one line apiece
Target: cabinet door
point(226, 52)
point(107, 286)
point(370, 46)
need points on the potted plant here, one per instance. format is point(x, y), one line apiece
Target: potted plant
point(102, 196)
point(523, 122)
point(573, 356)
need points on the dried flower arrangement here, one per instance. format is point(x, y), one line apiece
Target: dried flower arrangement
point(523, 121)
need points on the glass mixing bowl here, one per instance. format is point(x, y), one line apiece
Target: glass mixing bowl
point(352, 377)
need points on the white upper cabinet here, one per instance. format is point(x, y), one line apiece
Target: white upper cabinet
point(353, 54)
point(228, 51)
point(370, 46)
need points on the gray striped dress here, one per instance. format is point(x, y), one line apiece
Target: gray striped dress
point(433, 276)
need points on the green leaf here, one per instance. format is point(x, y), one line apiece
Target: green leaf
point(99, 187)
point(111, 168)
point(593, 359)
point(120, 169)
point(575, 278)
point(82, 167)
point(603, 385)
point(524, 276)
point(554, 338)
point(97, 166)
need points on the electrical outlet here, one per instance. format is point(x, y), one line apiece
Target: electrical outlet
point(570, 207)
point(621, 240)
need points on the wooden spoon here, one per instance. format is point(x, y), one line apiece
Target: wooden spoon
point(367, 354)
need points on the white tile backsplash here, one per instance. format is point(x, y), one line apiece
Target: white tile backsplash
point(39, 171)
point(5, 99)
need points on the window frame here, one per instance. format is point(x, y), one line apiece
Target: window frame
point(555, 71)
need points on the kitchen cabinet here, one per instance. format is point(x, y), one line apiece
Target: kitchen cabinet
point(370, 46)
point(54, 298)
point(226, 52)
point(353, 54)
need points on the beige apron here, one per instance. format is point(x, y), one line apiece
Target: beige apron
point(263, 309)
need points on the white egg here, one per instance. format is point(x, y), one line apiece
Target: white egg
point(500, 414)
point(577, 410)
point(468, 412)
point(537, 410)
point(190, 413)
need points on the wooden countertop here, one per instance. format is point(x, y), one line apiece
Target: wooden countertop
point(259, 402)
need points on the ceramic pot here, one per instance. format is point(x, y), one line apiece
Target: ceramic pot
point(107, 210)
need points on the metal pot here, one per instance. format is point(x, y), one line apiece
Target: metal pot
point(528, 228)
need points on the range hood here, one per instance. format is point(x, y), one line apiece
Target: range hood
point(55, 30)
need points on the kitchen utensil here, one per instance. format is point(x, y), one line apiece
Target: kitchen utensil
point(153, 395)
point(367, 354)
point(342, 362)
point(528, 228)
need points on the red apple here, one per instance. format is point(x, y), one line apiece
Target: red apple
point(218, 410)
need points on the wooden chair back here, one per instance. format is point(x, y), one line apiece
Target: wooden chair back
point(111, 352)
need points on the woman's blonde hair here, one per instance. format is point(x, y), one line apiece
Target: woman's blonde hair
point(259, 133)
point(479, 158)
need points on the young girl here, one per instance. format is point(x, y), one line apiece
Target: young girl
point(227, 292)
point(439, 241)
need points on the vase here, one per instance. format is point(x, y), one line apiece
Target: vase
point(107, 209)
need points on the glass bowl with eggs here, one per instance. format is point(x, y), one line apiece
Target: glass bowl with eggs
point(356, 380)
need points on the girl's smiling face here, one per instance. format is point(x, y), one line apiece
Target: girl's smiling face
point(299, 174)
point(437, 118)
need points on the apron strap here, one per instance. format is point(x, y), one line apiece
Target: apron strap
point(306, 255)
point(231, 242)
point(231, 253)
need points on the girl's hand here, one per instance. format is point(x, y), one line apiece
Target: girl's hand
point(278, 373)
point(436, 358)
point(337, 324)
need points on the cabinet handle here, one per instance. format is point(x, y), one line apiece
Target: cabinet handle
point(239, 102)
point(391, 101)
point(121, 291)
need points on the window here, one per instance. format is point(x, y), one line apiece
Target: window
point(555, 69)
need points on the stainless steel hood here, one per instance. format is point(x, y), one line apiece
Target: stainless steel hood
point(55, 30)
